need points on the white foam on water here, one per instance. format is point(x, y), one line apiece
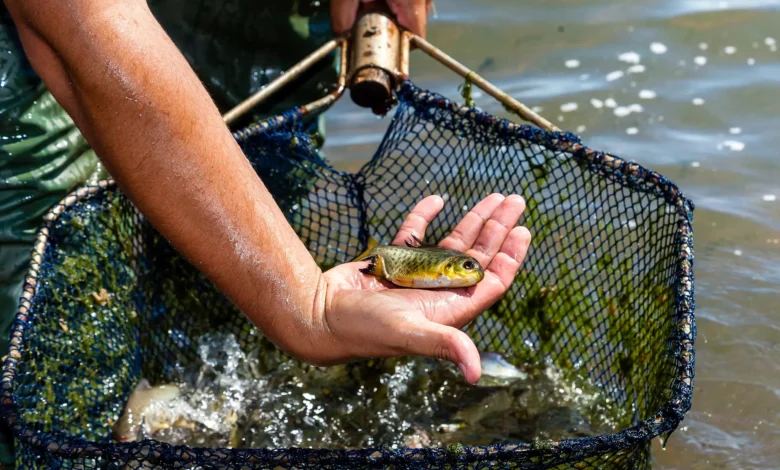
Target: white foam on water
point(657, 48)
point(569, 107)
point(612, 76)
point(769, 197)
point(698, 101)
point(733, 145)
point(703, 46)
point(610, 103)
point(647, 94)
point(700, 60)
point(598, 104)
point(730, 50)
point(622, 111)
point(638, 68)
point(695, 164)
point(572, 63)
point(632, 131)
point(630, 57)
point(581, 129)
point(751, 61)
point(735, 130)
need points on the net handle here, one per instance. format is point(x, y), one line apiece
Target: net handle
point(291, 74)
point(379, 63)
point(522, 110)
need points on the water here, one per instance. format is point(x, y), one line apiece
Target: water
point(689, 89)
point(231, 400)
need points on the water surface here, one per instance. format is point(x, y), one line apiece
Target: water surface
point(686, 88)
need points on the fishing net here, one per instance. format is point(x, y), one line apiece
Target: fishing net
point(606, 292)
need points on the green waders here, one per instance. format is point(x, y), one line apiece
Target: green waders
point(234, 46)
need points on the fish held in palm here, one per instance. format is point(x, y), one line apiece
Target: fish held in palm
point(422, 265)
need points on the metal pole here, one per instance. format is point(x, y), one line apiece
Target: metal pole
point(283, 80)
point(523, 111)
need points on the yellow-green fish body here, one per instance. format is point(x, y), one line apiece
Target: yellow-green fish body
point(422, 266)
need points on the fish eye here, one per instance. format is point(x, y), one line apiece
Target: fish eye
point(468, 264)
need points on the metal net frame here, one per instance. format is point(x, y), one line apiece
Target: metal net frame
point(606, 290)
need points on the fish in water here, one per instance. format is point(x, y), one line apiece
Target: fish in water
point(494, 365)
point(563, 422)
point(135, 419)
point(422, 265)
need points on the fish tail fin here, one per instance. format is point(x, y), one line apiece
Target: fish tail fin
point(372, 243)
point(375, 268)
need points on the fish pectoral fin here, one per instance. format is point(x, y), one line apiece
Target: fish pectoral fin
point(143, 434)
point(375, 268)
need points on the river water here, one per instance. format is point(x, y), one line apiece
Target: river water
point(689, 88)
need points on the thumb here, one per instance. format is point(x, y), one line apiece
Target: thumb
point(449, 344)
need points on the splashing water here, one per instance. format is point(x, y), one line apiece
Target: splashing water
point(411, 402)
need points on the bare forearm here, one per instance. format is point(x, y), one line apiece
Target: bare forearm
point(146, 114)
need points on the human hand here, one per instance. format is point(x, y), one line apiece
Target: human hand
point(368, 317)
point(411, 14)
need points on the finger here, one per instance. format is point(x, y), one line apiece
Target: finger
point(417, 221)
point(513, 251)
point(466, 232)
point(342, 15)
point(495, 230)
point(443, 342)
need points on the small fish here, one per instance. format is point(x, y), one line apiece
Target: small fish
point(135, 422)
point(422, 265)
point(494, 365)
point(563, 422)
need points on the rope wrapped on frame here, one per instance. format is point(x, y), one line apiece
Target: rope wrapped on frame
point(606, 290)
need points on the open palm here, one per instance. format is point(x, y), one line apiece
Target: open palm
point(369, 317)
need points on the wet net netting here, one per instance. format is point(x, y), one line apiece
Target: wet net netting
point(605, 293)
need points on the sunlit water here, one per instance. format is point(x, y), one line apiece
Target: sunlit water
point(688, 88)
point(230, 401)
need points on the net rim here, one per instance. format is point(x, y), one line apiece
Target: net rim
point(664, 421)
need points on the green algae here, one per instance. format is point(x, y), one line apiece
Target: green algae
point(465, 90)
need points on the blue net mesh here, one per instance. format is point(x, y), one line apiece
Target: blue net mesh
point(605, 292)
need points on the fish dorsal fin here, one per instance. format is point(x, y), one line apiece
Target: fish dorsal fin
point(143, 384)
point(419, 243)
point(423, 245)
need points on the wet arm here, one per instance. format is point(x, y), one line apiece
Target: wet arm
point(144, 111)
